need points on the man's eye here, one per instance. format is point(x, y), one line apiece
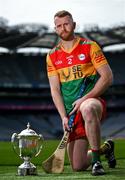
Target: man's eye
point(59, 26)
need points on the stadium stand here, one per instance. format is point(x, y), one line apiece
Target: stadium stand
point(108, 36)
point(114, 126)
point(24, 88)
point(49, 126)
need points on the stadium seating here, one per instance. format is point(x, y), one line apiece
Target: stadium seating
point(49, 126)
point(113, 126)
point(24, 88)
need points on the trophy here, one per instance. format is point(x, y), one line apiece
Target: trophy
point(26, 145)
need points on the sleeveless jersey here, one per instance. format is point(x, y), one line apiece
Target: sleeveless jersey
point(73, 66)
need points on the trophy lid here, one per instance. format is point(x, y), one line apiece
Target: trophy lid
point(28, 131)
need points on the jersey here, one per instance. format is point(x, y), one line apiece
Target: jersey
point(73, 66)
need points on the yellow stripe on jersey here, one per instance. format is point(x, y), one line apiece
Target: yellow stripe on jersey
point(51, 70)
point(97, 57)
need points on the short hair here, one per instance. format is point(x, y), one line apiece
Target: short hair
point(63, 13)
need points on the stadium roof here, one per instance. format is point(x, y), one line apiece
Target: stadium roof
point(22, 35)
point(107, 37)
point(35, 35)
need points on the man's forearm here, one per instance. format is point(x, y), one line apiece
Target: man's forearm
point(100, 87)
point(58, 101)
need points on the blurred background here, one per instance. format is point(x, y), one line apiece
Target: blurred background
point(27, 34)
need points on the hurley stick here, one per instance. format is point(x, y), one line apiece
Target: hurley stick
point(55, 163)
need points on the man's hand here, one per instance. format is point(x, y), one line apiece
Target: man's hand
point(76, 106)
point(65, 123)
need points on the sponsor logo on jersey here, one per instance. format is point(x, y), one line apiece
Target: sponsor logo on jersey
point(81, 57)
point(58, 62)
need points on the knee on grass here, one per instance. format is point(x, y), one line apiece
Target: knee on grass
point(79, 168)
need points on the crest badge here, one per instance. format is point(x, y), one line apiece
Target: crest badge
point(81, 57)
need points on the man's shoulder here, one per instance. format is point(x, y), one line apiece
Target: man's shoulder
point(54, 49)
point(86, 41)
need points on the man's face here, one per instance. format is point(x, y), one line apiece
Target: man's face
point(64, 27)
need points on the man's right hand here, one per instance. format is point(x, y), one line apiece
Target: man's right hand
point(65, 124)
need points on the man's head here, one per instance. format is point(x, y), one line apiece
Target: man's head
point(63, 13)
point(64, 25)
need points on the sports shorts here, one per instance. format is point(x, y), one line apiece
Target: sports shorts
point(79, 126)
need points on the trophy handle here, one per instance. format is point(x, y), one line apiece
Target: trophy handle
point(13, 141)
point(40, 140)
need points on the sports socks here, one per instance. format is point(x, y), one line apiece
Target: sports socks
point(95, 156)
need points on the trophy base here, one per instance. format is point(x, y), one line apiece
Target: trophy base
point(27, 170)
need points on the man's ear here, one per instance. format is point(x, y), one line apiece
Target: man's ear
point(55, 29)
point(74, 25)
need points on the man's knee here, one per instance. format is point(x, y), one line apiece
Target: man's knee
point(80, 168)
point(91, 107)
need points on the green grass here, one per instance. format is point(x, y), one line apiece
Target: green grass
point(9, 163)
point(9, 173)
point(9, 157)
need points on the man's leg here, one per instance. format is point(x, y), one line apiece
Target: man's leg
point(77, 152)
point(91, 110)
point(107, 149)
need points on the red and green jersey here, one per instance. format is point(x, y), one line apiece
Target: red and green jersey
point(73, 66)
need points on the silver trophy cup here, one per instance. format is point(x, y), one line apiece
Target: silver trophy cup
point(27, 144)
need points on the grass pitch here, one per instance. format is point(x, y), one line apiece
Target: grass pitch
point(9, 163)
point(9, 173)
